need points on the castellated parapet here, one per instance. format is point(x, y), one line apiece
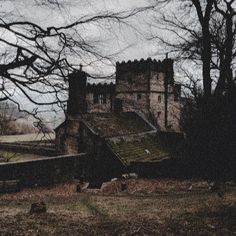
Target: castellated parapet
point(165, 66)
point(101, 88)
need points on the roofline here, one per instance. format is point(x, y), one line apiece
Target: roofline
point(55, 129)
point(118, 157)
point(126, 164)
point(131, 135)
point(140, 114)
point(107, 137)
point(162, 158)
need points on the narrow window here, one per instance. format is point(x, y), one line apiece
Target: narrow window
point(159, 98)
point(102, 98)
point(177, 92)
point(95, 98)
point(99, 98)
point(139, 96)
point(158, 114)
point(129, 79)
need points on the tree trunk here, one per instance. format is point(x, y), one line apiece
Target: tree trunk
point(206, 59)
point(229, 49)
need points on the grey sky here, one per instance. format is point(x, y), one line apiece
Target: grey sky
point(126, 42)
point(114, 38)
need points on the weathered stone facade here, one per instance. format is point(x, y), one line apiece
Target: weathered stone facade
point(148, 86)
point(99, 97)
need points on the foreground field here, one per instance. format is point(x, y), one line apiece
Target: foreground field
point(6, 156)
point(71, 213)
point(26, 137)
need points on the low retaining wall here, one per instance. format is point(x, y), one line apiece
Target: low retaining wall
point(31, 149)
point(45, 171)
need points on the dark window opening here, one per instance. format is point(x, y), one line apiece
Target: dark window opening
point(129, 79)
point(177, 92)
point(139, 96)
point(159, 98)
point(95, 98)
point(176, 97)
point(158, 114)
point(99, 98)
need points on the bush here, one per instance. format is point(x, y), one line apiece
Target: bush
point(210, 128)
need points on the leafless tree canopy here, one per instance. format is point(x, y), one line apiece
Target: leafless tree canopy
point(203, 32)
point(36, 59)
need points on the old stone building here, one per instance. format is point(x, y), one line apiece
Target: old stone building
point(145, 86)
point(117, 123)
point(148, 86)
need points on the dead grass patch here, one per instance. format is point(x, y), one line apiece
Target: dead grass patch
point(71, 213)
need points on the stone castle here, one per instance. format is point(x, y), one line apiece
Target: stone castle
point(145, 86)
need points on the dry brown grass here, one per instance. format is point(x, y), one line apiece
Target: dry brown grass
point(71, 213)
point(27, 137)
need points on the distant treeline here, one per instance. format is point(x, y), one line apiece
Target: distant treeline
point(13, 121)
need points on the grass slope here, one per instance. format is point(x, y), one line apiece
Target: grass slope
point(71, 213)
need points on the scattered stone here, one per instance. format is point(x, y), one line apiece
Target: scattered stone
point(133, 176)
point(125, 176)
point(130, 176)
point(38, 207)
point(85, 186)
point(213, 186)
point(190, 187)
point(95, 185)
point(114, 179)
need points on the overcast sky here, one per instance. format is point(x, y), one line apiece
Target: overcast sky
point(128, 41)
point(124, 42)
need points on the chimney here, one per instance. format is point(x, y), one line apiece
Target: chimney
point(76, 104)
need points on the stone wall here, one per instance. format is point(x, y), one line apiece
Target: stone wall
point(132, 87)
point(134, 101)
point(173, 113)
point(105, 90)
point(45, 171)
point(67, 137)
point(92, 107)
point(30, 149)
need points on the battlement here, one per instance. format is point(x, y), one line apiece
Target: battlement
point(144, 65)
point(101, 88)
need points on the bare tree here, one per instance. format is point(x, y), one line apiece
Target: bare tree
point(36, 60)
point(209, 40)
point(204, 34)
point(6, 117)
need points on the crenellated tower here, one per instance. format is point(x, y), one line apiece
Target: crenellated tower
point(149, 86)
